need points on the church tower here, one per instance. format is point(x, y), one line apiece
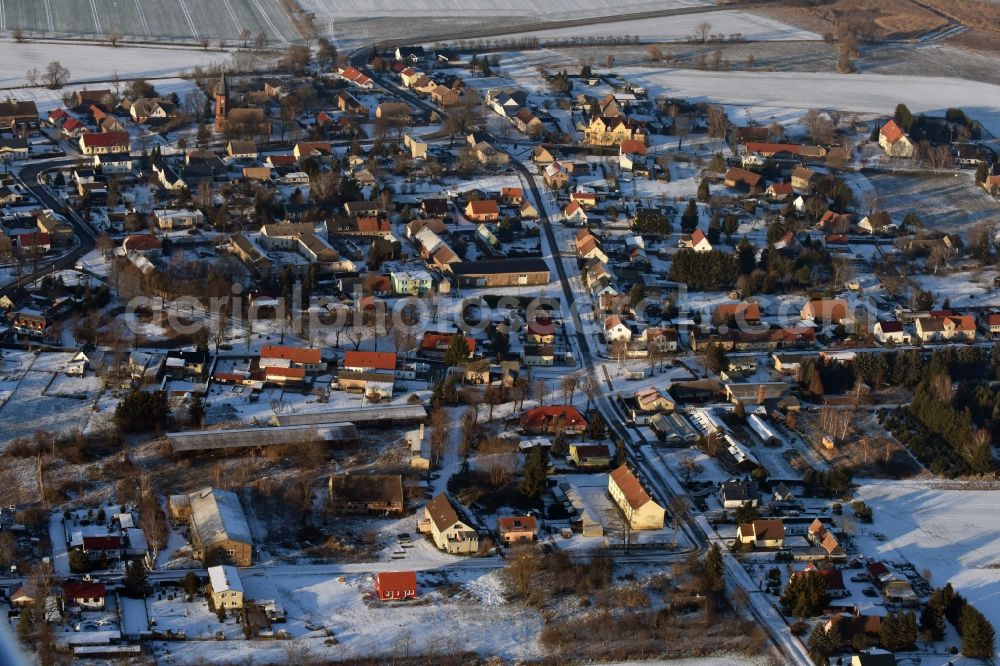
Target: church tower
point(221, 103)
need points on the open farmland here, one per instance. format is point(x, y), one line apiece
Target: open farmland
point(149, 19)
point(933, 199)
point(573, 9)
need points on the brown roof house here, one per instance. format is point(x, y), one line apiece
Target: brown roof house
point(449, 532)
point(357, 493)
point(768, 533)
point(633, 500)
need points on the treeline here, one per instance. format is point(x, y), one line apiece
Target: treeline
point(945, 604)
point(704, 271)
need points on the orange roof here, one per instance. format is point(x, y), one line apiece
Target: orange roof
point(892, 132)
point(293, 354)
point(572, 208)
point(633, 147)
point(748, 311)
point(376, 360)
point(372, 224)
point(432, 341)
point(634, 493)
point(484, 207)
point(697, 236)
point(289, 373)
point(513, 192)
point(516, 523)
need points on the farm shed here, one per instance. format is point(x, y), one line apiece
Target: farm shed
point(361, 417)
point(241, 438)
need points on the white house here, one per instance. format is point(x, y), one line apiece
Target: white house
point(178, 219)
point(890, 330)
point(449, 532)
point(615, 329)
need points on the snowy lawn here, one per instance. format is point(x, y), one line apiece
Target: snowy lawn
point(942, 527)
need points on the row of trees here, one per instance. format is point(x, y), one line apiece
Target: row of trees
point(975, 630)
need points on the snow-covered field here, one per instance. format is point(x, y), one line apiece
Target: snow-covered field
point(670, 28)
point(176, 19)
point(941, 527)
point(98, 63)
point(325, 9)
point(785, 95)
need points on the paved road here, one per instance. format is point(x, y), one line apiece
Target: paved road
point(85, 235)
point(696, 530)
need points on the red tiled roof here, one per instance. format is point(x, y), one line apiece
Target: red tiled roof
point(106, 139)
point(293, 354)
point(484, 207)
point(396, 581)
point(892, 132)
point(541, 416)
point(377, 360)
point(634, 493)
point(290, 373)
point(516, 523)
point(83, 590)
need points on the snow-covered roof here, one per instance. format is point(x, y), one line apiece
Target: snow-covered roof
point(225, 578)
point(216, 515)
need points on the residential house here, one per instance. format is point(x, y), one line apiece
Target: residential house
point(631, 152)
point(291, 357)
point(178, 219)
point(612, 131)
point(894, 141)
point(13, 149)
point(736, 314)
point(482, 210)
point(411, 283)
point(890, 330)
point(19, 115)
point(225, 588)
point(878, 222)
point(802, 179)
point(616, 330)
point(396, 585)
point(96, 143)
point(826, 311)
point(574, 212)
point(394, 112)
point(763, 533)
point(946, 327)
point(450, 532)
point(742, 179)
point(634, 501)
point(513, 530)
point(590, 456)
point(553, 419)
point(85, 595)
point(734, 494)
point(696, 241)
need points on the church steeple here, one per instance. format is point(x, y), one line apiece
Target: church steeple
point(221, 102)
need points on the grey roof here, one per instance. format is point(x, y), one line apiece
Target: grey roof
point(352, 415)
point(216, 515)
point(200, 440)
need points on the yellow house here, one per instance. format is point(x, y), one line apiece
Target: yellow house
point(768, 533)
point(225, 587)
point(604, 131)
point(633, 500)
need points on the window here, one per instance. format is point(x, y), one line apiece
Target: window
point(230, 552)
